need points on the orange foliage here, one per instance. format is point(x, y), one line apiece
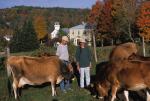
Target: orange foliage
point(143, 21)
point(95, 12)
point(105, 18)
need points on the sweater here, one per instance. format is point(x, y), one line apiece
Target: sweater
point(83, 56)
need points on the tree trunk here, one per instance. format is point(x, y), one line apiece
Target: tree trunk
point(94, 46)
point(102, 43)
point(112, 42)
point(130, 33)
point(143, 46)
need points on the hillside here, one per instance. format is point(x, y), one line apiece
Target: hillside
point(12, 18)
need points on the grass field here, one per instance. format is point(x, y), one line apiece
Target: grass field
point(43, 93)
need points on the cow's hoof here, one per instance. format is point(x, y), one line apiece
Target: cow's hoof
point(100, 97)
point(94, 96)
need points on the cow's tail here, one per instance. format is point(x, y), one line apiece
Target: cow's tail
point(7, 62)
point(8, 68)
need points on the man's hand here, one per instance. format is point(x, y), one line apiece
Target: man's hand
point(78, 67)
point(90, 65)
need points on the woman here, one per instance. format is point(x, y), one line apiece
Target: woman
point(83, 59)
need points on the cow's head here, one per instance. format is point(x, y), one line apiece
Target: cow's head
point(67, 70)
point(134, 57)
point(103, 88)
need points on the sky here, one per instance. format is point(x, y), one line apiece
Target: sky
point(48, 3)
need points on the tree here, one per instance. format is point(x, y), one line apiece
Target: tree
point(40, 26)
point(24, 39)
point(95, 12)
point(92, 20)
point(105, 22)
point(124, 17)
point(143, 21)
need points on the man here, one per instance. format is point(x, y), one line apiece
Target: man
point(83, 58)
point(62, 53)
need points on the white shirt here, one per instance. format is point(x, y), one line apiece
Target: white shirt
point(62, 52)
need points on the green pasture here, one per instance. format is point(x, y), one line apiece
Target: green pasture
point(43, 93)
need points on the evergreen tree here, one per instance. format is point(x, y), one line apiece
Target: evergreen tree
point(25, 39)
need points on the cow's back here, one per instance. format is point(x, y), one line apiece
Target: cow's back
point(122, 51)
point(35, 69)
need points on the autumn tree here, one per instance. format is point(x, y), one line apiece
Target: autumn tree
point(94, 13)
point(40, 26)
point(105, 22)
point(124, 14)
point(143, 20)
point(92, 20)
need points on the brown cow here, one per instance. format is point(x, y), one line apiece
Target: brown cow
point(35, 71)
point(134, 75)
point(122, 51)
point(137, 57)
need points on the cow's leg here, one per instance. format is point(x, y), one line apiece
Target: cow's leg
point(53, 89)
point(14, 85)
point(148, 96)
point(126, 94)
point(114, 91)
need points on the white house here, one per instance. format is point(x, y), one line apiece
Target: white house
point(80, 31)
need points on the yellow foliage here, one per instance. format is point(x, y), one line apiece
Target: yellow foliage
point(145, 33)
point(40, 27)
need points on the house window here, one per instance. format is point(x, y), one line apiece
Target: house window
point(78, 32)
point(72, 33)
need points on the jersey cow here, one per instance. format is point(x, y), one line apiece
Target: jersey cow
point(35, 71)
point(134, 76)
point(122, 51)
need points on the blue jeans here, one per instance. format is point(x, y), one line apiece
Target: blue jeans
point(65, 84)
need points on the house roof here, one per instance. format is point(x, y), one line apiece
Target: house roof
point(81, 26)
point(65, 30)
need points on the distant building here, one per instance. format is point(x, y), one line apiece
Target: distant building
point(80, 31)
point(56, 30)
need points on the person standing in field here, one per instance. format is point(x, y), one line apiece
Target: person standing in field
point(62, 53)
point(83, 59)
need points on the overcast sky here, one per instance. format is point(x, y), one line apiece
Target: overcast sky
point(48, 3)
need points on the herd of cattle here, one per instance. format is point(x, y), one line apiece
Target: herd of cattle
point(125, 71)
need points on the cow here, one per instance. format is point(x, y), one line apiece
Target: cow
point(137, 57)
point(122, 51)
point(134, 76)
point(36, 71)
